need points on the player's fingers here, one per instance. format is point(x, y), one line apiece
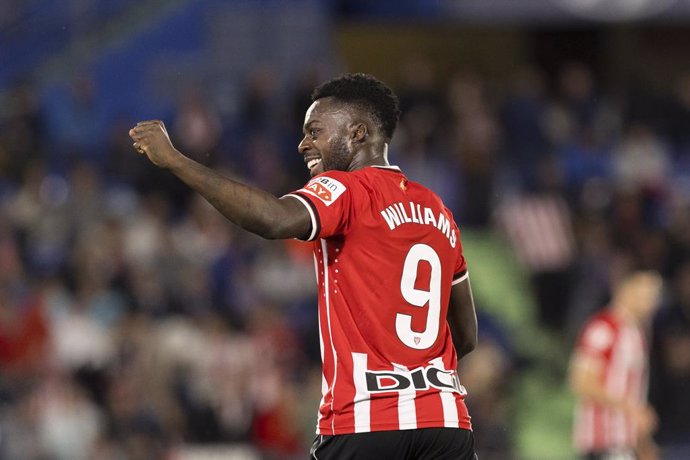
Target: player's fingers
point(145, 133)
point(139, 131)
point(138, 147)
point(137, 136)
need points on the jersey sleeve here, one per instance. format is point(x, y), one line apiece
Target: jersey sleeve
point(596, 339)
point(328, 199)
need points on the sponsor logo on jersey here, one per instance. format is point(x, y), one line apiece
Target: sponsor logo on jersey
point(421, 378)
point(325, 189)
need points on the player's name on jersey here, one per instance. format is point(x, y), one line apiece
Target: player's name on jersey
point(399, 214)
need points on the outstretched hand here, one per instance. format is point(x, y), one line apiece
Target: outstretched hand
point(152, 139)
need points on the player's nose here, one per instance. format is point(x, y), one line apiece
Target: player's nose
point(304, 145)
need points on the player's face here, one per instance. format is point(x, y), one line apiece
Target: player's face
point(325, 145)
point(646, 293)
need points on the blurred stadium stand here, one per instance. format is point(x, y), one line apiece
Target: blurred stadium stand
point(136, 323)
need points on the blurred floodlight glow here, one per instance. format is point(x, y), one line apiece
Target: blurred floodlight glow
point(615, 10)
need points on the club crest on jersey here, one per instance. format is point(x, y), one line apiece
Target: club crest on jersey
point(325, 189)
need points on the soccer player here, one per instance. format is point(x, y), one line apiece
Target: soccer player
point(608, 375)
point(392, 278)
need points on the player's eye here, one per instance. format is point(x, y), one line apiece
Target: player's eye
point(313, 133)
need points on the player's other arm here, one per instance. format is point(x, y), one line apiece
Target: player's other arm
point(252, 209)
point(462, 318)
point(586, 382)
point(585, 378)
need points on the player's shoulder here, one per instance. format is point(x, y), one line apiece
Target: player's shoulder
point(327, 186)
point(600, 329)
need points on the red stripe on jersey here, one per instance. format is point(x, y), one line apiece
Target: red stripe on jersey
point(343, 402)
point(384, 412)
point(429, 407)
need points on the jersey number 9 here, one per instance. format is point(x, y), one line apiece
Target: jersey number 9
point(420, 297)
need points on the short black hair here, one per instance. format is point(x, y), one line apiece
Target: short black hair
point(367, 92)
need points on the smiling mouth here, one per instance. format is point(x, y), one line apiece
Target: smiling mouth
point(311, 164)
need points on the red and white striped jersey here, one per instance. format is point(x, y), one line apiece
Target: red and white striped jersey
point(386, 253)
point(621, 347)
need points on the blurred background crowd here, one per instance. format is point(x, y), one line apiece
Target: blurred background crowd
point(136, 323)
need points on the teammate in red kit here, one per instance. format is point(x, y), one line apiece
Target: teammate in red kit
point(392, 278)
point(608, 374)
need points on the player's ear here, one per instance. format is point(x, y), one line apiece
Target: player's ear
point(359, 132)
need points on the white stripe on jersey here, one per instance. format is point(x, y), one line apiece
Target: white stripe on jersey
point(450, 407)
point(312, 217)
point(407, 412)
point(324, 390)
point(316, 273)
point(324, 383)
point(362, 402)
point(326, 288)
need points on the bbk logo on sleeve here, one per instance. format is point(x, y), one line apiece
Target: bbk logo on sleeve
point(326, 189)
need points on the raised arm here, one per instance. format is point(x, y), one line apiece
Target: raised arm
point(462, 318)
point(252, 209)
